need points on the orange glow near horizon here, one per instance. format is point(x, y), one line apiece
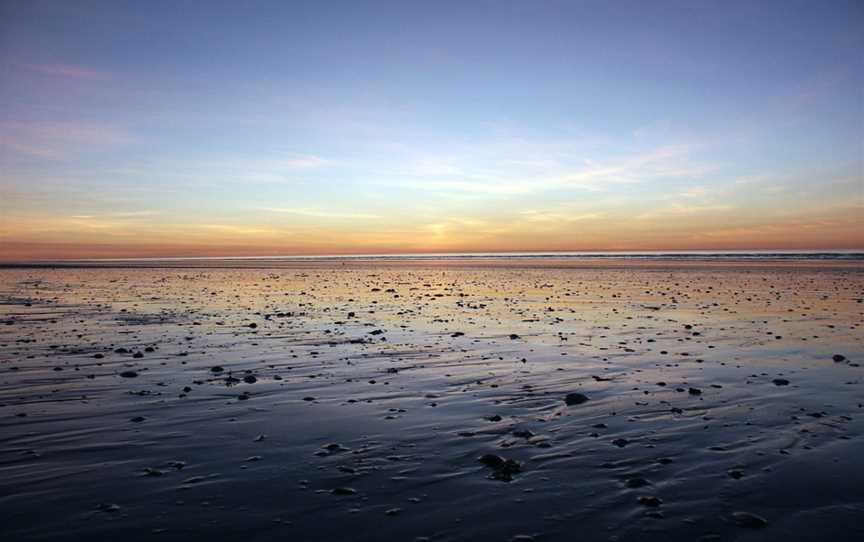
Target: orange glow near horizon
point(147, 237)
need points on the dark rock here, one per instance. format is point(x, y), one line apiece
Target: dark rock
point(502, 469)
point(748, 520)
point(491, 460)
point(572, 399)
point(635, 481)
point(650, 500)
point(105, 507)
point(343, 491)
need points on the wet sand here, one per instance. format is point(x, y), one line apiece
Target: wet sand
point(433, 401)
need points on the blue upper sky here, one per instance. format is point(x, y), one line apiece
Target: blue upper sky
point(328, 126)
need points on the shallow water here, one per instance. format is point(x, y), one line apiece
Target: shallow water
point(387, 383)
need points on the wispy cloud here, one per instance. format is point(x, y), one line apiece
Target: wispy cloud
point(695, 192)
point(301, 161)
point(67, 71)
point(532, 173)
point(683, 209)
point(545, 216)
point(320, 213)
point(265, 168)
point(129, 215)
point(233, 229)
point(59, 139)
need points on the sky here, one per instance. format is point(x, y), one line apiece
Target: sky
point(212, 128)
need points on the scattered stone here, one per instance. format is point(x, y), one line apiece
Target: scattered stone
point(502, 469)
point(572, 399)
point(650, 500)
point(342, 491)
point(635, 481)
point(748, 520)
point(108, 507)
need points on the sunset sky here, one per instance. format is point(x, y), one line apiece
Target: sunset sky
point(261, 128)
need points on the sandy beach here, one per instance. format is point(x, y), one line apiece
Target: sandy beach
point(433, 402)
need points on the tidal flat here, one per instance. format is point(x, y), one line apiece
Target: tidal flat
point(374, 401)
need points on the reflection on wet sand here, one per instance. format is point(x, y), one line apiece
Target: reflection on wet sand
point(374, 401)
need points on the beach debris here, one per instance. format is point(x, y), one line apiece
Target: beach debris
point(573, 399)
point(502, 469)
point(749, 520)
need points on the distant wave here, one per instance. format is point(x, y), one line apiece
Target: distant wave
point(249, 261)
point(647, 255)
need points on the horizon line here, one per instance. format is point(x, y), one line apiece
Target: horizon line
point(457, 255)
